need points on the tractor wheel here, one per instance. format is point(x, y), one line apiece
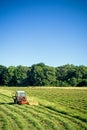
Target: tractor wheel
point(15, 101)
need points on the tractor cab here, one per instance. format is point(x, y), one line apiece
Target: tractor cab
point(20, 93)
point(20, 97)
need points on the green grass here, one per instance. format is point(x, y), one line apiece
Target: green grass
point(58, 109)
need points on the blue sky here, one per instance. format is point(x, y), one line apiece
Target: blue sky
point(50, 31)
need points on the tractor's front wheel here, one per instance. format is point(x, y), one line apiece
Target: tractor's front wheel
point(15, 101)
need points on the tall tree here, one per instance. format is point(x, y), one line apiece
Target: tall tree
point(9, 76)
point(2, 71)
point(20, 75)
point(36, 75)
point(49, 76)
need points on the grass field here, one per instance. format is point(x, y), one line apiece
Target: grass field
point(58, 109)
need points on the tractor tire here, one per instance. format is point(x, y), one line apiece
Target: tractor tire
point(15, 101)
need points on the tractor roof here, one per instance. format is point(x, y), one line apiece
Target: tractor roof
point(20, 91)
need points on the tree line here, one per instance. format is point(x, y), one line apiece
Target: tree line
point(43, 75)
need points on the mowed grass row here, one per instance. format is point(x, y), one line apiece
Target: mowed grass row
point(58, 109)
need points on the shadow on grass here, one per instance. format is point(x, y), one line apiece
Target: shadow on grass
point(9, 103)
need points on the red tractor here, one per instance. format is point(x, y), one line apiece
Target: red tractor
point(20, 98)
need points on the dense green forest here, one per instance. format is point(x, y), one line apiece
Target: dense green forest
point(43, 75)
